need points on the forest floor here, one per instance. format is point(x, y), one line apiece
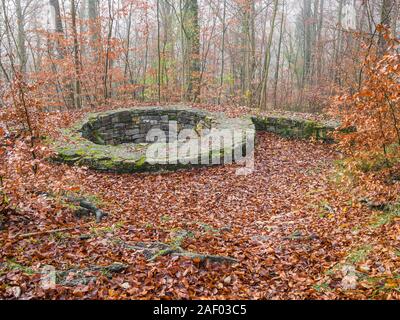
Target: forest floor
point(294, 227)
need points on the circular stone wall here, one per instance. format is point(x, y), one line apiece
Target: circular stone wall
point(154, 139)
point(133, 126)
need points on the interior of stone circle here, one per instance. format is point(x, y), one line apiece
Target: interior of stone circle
point(126, 127)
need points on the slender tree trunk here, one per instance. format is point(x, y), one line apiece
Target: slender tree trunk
point(192, 29)
point(94, 27)
point(319, 40)
point(158, 53)
point(78, 103)
point(68, 97)
point(108, 62)
point(307, 41)
point(221, 77)
point(183, 48)
point(59, 29)
point(23, 58)
point(9, 40)
point(248, 44)
point(386, 18)
point(278, 58)
point(128, 44)
point(395, 16)
point(267, 61)
point(146, 56)
point(338, 44)
point(167, 43)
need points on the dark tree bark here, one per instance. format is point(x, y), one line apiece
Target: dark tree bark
point(58, 24)
point(192, 32)
point(386, 21)
point(23, 59)
point(77, 91)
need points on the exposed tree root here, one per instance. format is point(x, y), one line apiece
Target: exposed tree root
point(206, 257)
point(84, 207)
point(153, 250)
point(75, 277)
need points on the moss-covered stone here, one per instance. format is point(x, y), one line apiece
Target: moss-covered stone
point(89, 144)
point(295, 128)
point(113, 141)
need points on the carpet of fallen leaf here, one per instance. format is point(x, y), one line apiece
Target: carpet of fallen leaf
point(292, 227)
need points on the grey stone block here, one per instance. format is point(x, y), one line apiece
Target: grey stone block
point(132, 132)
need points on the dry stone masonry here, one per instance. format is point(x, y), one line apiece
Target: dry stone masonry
point(132, 126)
point(117, 141)
point(296, 127)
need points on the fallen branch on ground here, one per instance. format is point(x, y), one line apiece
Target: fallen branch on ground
point(40, 233)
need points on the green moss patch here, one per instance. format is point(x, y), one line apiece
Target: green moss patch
point(96, 143)
point(295, 127)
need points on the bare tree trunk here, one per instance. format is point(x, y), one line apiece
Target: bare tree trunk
point(248, 44)
point(267, 61)
point(338, 44)
point(167, 41)
point(158, 53)
point(77, 93)
point(83, 16)
point(146, 56)
point(108, 62)
point(59, 29)
point(395, 16)
point(94, 26)
point(9, 41)
point(183, 48)
point(221, 77)
point(192, 29)
point(307, 41)
point(386, 18)
point(319, 40)
point(68, 97)
point(278, 59)
point(128, 45)
point(58, 22)
point(23, 58)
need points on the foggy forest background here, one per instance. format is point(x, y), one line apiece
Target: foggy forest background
point(266, 54)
